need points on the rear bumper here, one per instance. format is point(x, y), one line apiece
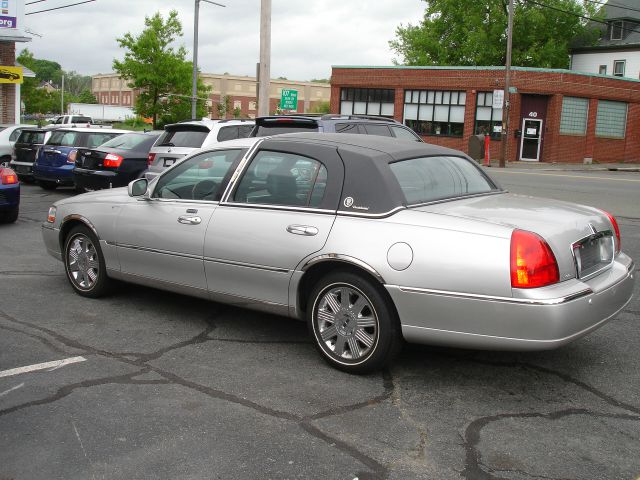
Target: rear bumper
point(9, 196)
point(61, 175)
point(100, 179)
point(545, 322)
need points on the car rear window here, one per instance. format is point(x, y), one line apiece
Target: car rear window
point(95, 139)
point(429, 179)
point(284, 125)
point(228, 133)
point(63, 138)
point(129, 141)
point(183, 137)
point(80, 120)
point(31, 137)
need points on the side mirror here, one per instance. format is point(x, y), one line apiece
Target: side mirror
point(138, 187)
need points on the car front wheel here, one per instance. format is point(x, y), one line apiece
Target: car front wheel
point(353, 323)
point(84, 263)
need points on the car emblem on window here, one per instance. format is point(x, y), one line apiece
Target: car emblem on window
point(348, 202)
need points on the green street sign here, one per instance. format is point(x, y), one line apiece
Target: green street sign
point(289, 100)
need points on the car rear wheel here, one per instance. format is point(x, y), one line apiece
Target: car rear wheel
point(48, 185)
point(353, 323)
point(84, 263)
point(9, 216)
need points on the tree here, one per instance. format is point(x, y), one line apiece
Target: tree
point(159, 71)
point(87, 97)
point(468, 32)
point(224, 106)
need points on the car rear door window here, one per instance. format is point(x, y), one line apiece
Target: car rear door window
point(63, 138)
point(228, 133)
point(95, 139)
point(278, 178)
point(244, 131)
point(405, 134)
point(347, 128)
point(380, 130)
point(199, 178)
point(183, 137)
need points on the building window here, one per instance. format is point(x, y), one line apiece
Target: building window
point(435, 112)
point(237, 104)
point(602, 70)
point(616, 30)
point(237, 87)
point(367, 101)
point(488, 119)
point(611, 119)
point(252, 105)
point(618, 68)
point(573, 119)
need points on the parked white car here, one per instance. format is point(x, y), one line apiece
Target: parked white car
point(8, 136)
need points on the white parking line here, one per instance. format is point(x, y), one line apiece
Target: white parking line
point(41, 366)
point(11, 389)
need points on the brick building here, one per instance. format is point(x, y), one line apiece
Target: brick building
point(110, 89)
point(556, 115)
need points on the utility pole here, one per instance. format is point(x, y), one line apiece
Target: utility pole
point(62, 97)
point(194, 83)
point(265, 58)
point(507, 85)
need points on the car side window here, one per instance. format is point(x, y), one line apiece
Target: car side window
point(380, 130)
point(404, 134)
point(227, 133)
point(96, 139)
point(198, 178)
point(278, 178)
point(347, 128)
point(244, 131)
point(15, 134)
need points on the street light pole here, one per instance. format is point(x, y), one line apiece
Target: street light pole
point(507, 85)
point(264, 76)
point(194, 83)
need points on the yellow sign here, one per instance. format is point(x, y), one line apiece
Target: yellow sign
point(10, 74)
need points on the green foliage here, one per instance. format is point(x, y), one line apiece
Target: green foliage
point(87, 97)
point(468, 32)
point(159, 71)
point(224, 106)
point(237, 112)
point(320, 80)
point(321, 107)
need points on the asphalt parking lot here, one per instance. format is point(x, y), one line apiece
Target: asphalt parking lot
point(150, 384)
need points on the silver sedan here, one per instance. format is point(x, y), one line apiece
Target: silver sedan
point(373, 241)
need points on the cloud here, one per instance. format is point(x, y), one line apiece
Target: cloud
point(307, 36)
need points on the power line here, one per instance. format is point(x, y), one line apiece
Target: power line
point(58, 8)
point(616, 5)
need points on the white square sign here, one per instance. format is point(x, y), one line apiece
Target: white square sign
point(498, 98)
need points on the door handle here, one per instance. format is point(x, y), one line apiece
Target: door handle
point(302, 230)
point(189, 220)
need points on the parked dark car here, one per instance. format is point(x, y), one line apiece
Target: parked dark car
point(25, 151)
point(115, 163)
point(331, 123)
point(55, 161)
point(9, 195)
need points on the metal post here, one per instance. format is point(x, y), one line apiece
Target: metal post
point(265, 57)
point(194, 79)
point(507, 85)
point(62, 97)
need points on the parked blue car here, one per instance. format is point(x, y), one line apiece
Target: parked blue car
point(9, 195)
point(55, 160)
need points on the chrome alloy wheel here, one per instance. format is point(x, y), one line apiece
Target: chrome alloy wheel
point(82, 262)
point(346, 322)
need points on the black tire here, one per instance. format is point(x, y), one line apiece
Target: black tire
point(10, 216)
point(79, 189)
point(360, 316)
point(47, 185)
point(86, 272)
point(26, 179)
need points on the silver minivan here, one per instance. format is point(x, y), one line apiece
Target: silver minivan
point(181, 139)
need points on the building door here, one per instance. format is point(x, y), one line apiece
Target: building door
point(530, 140)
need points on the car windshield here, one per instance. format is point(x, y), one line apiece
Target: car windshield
point(128, 141)
point(184, 137)
point(429, 179)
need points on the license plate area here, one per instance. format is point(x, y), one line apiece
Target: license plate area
point(593, 254)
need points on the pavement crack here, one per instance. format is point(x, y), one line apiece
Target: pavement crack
point(473, 465)
point(45, 341)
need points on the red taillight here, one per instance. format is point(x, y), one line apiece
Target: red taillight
point(112, 160)
point(616, 229)
point(151, 158)
point(8, 176)
point(533, 264)
point(71, 158)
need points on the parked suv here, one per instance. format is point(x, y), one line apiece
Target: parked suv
point(181, 139)
point(331, 123)
point(25, 150)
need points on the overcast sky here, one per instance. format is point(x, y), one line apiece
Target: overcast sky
point(308, 36)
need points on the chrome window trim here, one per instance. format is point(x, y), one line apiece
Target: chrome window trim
point(594, 235)
point(161, 252)
point(371, 215)
point(490, 298)
point(240, 170)
point(279, 207)
point(247, 265)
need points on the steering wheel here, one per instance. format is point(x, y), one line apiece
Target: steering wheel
point(204, 190)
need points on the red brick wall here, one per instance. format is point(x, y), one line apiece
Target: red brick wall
point(7, 91)
point(555, 84)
